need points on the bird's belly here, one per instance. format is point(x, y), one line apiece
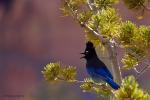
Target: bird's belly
point(90, 71)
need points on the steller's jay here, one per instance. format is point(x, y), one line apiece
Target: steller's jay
point(96, 68)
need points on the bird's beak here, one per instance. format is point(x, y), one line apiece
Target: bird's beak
point(82, 53)
point(82, 56)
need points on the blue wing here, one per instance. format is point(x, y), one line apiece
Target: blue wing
point(105, 75)
point(102, 74)
point(99, 67)
point(103, 71)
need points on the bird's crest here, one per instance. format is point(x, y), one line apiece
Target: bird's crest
point(89, 44)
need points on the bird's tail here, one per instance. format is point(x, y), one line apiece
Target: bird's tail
point(113, 84)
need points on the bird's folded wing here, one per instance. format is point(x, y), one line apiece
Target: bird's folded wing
point(104, 72)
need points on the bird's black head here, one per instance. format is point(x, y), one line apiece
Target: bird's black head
point(89, 51)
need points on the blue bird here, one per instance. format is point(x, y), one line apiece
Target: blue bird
point(96, 68)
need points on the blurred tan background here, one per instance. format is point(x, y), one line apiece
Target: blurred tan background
point(34, 33)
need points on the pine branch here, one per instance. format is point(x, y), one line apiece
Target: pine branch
point(111, 46)
point(141, 72)
point(107, 43)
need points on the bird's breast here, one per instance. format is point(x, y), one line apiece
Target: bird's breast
point(90, 70)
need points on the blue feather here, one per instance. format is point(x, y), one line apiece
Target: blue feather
point(102, 74)
point(113, 84)
point(96, 68)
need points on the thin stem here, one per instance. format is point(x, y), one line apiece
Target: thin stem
point(142, 71)
point(78, 81)
point(135, 69)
